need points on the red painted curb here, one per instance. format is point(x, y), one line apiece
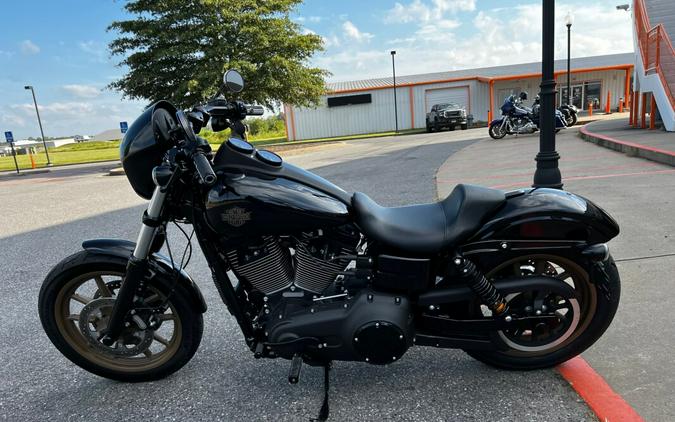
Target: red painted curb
point(607, 405)
point(586, 132)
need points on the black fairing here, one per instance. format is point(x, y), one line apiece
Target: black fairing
point(145, 144)
point(549, 214)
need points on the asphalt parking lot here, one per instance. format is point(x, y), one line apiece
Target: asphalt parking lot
point(47, 216)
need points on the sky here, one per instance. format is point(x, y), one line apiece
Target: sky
point(60, 48)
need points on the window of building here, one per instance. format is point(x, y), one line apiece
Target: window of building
point(592, 92)
point(349, 100)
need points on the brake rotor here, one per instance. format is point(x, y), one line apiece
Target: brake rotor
point(94, 318)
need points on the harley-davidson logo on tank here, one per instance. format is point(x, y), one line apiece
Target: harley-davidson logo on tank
point(236, 216)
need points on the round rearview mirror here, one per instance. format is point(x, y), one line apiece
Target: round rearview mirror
point(233, 81)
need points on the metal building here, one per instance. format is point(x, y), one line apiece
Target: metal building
point(367, 106)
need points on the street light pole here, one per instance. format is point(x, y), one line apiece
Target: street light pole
point(568, 23)
point(44, 143)
point(547, 174)
point(393, 69)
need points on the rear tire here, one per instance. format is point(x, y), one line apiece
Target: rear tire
point(465, 126)
point(87, 278)
point(572, 120)
point(605, 294)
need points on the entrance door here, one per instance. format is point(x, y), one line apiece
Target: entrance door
point(577, 96)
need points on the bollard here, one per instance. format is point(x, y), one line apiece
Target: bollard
point(32, 160)
point(621, 105)
point(608, 110)
point(590, 108)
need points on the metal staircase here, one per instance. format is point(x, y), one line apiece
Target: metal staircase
point(655, 60)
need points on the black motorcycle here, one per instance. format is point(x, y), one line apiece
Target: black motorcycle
point(518, 119)
point(519, 280)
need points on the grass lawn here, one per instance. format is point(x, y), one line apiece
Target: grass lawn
point(90, 152)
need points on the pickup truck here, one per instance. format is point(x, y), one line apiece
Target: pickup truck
point(446, 115)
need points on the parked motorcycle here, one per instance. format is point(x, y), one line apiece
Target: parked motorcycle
point(519, 280)
point(570, 112)
point(517, 119)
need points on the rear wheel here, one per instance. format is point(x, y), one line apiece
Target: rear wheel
point(572, 120)
point(465, 126)
point(579, 321)
point(75, 304)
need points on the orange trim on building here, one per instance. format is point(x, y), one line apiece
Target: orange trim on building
point(286, 121)
point(626, 92)
point(643, 111)
point(485, 79)
point(652, 113)
point(492, 101)
point(412, 108)
point(293, 123)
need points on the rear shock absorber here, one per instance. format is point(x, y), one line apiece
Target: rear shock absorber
point(485, 290)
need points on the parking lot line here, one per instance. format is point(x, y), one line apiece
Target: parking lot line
point(607, 405)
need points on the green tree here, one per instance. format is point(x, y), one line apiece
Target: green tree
point(178, 50)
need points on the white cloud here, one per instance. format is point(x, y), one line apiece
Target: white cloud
point(64, 118)
point(28, 47)
point(97, 50)
point(82, 91)
point(424, 12)
point(489, 37)
point(353, 33)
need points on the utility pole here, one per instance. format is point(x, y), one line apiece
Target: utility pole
point(393, 69)
point(44, 142)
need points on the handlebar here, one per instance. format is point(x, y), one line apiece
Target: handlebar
point(254, 110)
point(206, 174)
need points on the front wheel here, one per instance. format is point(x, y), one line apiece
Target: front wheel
point(579, 322)
point(75, 304)
point(496, 131)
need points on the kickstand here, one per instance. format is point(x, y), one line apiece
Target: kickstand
point(323, 413)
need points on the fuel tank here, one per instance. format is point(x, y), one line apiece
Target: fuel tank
point(253, 197)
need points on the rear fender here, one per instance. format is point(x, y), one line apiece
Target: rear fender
point(159, 264)
point(548, 215)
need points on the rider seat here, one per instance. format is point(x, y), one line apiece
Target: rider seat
point(427, 228)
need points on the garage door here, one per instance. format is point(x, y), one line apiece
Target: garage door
point(458, 95)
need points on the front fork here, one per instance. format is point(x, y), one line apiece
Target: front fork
point(137, 268)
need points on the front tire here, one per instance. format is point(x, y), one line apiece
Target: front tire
point(598, 302)
point(75, 301)
point(495, 131)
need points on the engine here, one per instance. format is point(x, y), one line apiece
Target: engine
point(304, 311)
point(311, 261)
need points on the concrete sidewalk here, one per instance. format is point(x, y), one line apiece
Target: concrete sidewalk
point(634, 355)
point(655, 145)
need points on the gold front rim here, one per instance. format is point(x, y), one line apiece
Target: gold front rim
point(85, 289)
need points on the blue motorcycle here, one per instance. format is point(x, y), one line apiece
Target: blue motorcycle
point(517, 119)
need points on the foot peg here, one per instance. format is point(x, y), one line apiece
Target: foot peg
point(294, 373)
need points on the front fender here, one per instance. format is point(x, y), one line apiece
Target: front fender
point(159, 264)
point(497, 121)
point(548, 214)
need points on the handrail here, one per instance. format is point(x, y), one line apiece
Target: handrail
point(656, 49)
